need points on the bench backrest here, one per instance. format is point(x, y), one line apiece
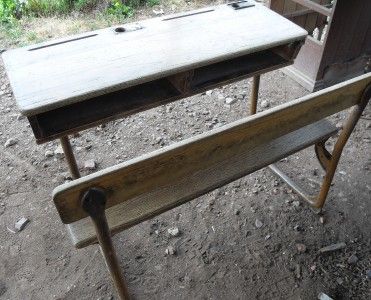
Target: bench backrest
point(165, 168)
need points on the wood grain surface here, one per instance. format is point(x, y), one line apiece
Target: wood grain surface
point(58, 73)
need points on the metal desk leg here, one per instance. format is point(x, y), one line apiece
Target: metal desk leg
point(93, 202)
point(71, 161)
point(254, 94)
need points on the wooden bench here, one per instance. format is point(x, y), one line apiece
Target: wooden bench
point(99, 205)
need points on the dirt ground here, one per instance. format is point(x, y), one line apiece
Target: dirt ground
point(220, 252)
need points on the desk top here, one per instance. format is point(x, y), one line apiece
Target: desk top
point(57, 73)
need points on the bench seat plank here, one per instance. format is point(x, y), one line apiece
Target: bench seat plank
point(170, 164)
point(190, 186)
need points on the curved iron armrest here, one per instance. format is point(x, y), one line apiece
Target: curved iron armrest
point(328, 161)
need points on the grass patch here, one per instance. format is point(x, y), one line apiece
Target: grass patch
point(40, 8)
point(16, 9)
point(33, 21)
point(116, 7)
point(153, 2)
point(30, 30)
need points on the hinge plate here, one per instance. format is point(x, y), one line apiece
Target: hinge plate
point(241, 4)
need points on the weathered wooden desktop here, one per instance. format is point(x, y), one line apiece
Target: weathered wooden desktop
point(74, 83)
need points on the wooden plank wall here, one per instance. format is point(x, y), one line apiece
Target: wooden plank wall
point(295, 12)
point(350, 37)
point(345, 51)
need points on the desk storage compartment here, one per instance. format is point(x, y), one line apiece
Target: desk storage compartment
point(100, 109)
point(235, 69)
point(89, 113)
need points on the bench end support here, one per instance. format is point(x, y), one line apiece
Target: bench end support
point(329, 161)
point(93, 202)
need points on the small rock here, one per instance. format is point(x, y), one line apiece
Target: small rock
point(20, 117)
point(21, 224)
point(267, 237)
point(220, 97)
point(322, 219)
point(208, 93)
point(323, 296)
point(296, 203)
point(160, 140)
point(275, 191)
point(258, 223)
point(301, 248)
point(333, 247)
point(158, 12)
point(66, 176)
point(90, 164)
point(298, 228)
point(59, 151)
point(230, 101)
point(353, 259)
point(49, 153)
point(10, 142)
point(297, 271)
point(264, 104)
point(174, 231)
point(368, 274)
point(170, 250)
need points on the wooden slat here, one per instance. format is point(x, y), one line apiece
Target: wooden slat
point(300, 20)
point(311, 22)
point(277, 6)
point(59, 73)
point(289, 7)
point(315, 6)
point(166, 166)
point(359, 30)
point(298, 13)
point(159, 200)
